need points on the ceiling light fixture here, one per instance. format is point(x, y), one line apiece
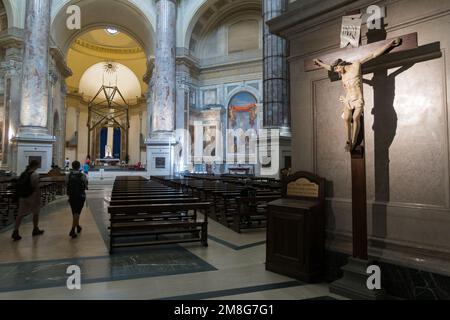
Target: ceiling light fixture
point(112, 31)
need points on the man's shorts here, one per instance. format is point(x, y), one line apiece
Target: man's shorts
point(77, 205)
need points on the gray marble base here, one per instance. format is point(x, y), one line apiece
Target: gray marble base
point(353, 284)
point(27, 146)
point(161, 154)
point(399, 282)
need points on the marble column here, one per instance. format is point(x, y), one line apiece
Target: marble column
point(276, 80)
point(276, 106)
point(33, 141)
point(33, 112)
point(165, 67)
point(161, 145)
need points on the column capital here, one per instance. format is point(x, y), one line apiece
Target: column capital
point(11, 68)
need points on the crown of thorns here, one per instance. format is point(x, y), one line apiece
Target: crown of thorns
point(338, 62)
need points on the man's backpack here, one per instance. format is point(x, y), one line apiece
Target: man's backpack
point(24, 189)
point(76, 186)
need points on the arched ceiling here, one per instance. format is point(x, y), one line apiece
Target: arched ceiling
point(138, 17)
point(131, 17)
point(99, 43)
point(92, 49)
point(15, 10)
point(211, 12)
point(102, 38)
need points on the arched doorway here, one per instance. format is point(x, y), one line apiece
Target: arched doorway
point(113, 32)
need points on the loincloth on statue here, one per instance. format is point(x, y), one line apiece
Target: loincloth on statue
point(356, 104)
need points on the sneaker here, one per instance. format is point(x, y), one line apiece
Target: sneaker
point(72, 234)
point(15, 236)
point(37, 232)
point(79, 229)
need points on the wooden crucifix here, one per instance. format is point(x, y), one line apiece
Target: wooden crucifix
point(348, 65)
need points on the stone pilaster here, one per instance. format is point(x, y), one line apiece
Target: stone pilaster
point(11, 77)
point(182, 97)
point(184, 87)
point(33, 140)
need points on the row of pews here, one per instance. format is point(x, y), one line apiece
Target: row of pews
point(145, 212)
point(239, 202)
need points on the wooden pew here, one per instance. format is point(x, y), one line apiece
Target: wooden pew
point(152, 214)
point(158, 220)
point(252, 212)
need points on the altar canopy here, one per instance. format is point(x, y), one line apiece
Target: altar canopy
point(108, 124)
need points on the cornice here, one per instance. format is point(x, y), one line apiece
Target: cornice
point(313, 13)
point(11, 38)
point(61, 64)
point(105, 49)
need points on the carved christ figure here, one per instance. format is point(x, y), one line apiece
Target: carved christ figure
point(351, 75)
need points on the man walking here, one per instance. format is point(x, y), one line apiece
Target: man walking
point(77, 184)
point(29, 195)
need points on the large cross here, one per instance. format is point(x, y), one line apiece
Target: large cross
point(351, 54)
point(358, 161)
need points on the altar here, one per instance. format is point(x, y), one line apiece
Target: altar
point(109, 159)
point(108, 162)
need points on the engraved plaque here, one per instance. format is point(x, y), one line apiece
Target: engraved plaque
point(303, 188)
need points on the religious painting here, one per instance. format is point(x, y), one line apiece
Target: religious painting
point(192, 137)
point(242, 116)
point(242, 111)
point(209, 140)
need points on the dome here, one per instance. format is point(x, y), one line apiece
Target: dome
point(110, 74)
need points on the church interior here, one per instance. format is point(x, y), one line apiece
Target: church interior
point(232, 149)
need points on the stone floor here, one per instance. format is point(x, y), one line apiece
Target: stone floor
point(232, 267)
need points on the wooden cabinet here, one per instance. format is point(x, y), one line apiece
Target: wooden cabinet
point(296, 231)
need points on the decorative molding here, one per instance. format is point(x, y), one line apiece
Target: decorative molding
point(11, 38)
point(313, 13)
point(60, 62)
point(104, 49)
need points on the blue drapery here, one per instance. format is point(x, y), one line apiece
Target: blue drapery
point(117, 143)
point(103, 142)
